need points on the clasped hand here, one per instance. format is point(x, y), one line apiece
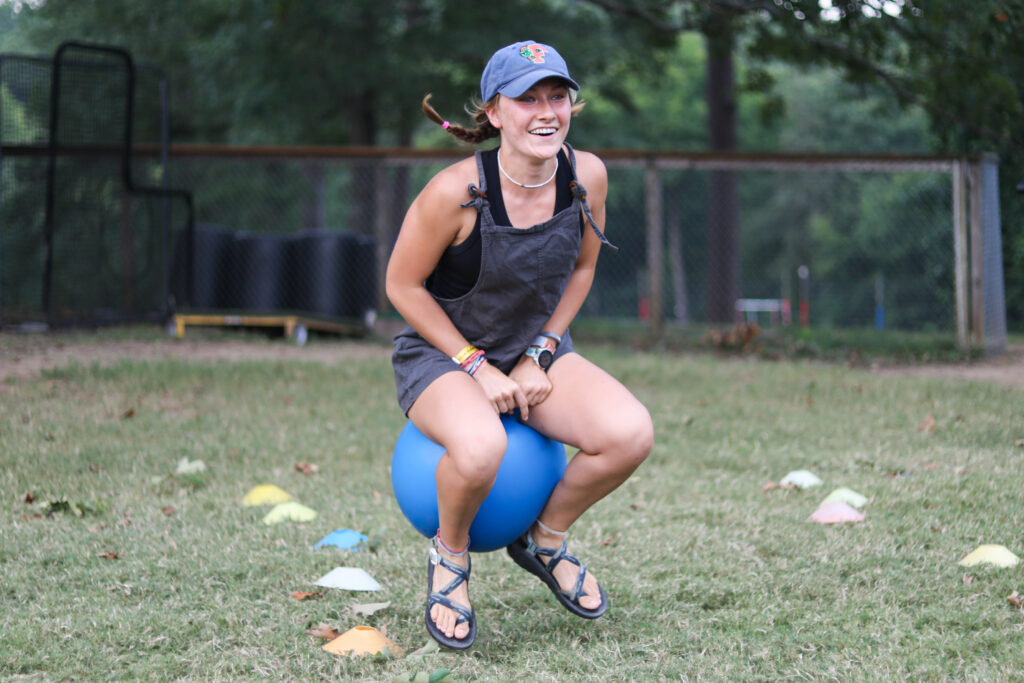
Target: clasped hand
point(527, 385)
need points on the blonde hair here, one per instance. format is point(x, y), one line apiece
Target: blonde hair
point(484, 130)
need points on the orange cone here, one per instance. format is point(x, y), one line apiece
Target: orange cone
point(362, 641)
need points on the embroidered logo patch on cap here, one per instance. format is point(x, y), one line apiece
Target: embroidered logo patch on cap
point(534, 53)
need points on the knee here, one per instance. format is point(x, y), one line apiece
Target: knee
point(634, 437)
point(478, 456)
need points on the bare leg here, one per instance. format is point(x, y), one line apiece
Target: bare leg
point(454, 412)
point(589, 409)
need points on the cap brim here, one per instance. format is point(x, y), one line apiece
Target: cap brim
point(518, 86)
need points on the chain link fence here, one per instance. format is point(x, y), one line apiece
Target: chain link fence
point(840, 242)
point(91, 230)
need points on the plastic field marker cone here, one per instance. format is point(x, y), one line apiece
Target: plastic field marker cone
point(997, 555)
point(848, 496)
point(289, 512)
point(835, 513)
point(802, 479)
point(266, 494)
point(361, 641)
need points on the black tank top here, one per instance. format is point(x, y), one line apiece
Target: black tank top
point(459, 267)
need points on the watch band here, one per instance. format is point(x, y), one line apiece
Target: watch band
point(552, 335)
point(544, 341)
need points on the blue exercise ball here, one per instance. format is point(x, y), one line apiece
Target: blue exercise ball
point(532, 467)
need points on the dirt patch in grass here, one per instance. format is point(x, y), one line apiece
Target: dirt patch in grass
point(28, 357)
point(25, 356)
point(1006, 369)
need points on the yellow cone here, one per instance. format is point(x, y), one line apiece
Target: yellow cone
point(289, 512)
point(362, 641)
point(997, 555)
point(266, 493)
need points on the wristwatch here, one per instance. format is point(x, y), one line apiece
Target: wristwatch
point(542, 350)
point(541, 355)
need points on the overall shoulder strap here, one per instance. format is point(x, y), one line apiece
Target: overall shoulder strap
point(478, 195)
point(580, 192)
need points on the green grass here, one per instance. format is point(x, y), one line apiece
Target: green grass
point(710, 578)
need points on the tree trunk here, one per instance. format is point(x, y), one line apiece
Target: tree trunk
point(723, 200)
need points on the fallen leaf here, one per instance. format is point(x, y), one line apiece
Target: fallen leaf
point(370, 608)
point(688, 420)
point(323, 631)
point(1019, 442)
point(429, 649)
point(1014, 599)
point(109, 556)
point(635, 506)
point(377, 495)
point(306, 468)
point(128, 414)
point(776, 485)
point(29, 498)
point(928, 425)
point(1002, 17)
point(185, 466)
point(300, 595)
point(608, 541)
point(968, 579)
point(167, 510)
point(95, 468)
point(94, 529)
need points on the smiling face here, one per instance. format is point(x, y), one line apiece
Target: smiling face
point(535, 123)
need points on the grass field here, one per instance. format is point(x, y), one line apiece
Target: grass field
point(710, 577)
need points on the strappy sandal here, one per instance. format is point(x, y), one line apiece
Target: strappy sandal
point(440, 597)
point(525, 553)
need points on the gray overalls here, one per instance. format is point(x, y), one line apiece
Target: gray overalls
point(523, 274)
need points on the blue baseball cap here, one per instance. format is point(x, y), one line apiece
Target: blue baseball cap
point(515, 68)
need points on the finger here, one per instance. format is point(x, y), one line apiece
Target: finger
point(524, 405)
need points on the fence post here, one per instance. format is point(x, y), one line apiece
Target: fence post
point(991, 256)
point(655, 255)
point(382, 240)
point(962, 265)
point(976, 221)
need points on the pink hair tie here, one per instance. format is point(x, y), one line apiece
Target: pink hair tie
point(445, 125)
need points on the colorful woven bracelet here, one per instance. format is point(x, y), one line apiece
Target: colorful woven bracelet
point(465, 354)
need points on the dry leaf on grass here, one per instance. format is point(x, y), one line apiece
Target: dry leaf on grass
point(167, 510)
point(776, 485)
point(1014, 599)
point(128, 414)
point(302, 595)
point(928, 425)
point(323, 631)
point(367, 609)
point(968, 579)
point(29, 498)
point(109, 556)
point(306, 468)
point(1019, 442)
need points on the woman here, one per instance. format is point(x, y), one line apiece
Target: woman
point(489, 279)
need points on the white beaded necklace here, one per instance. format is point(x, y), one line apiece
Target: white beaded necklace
point(528, 187)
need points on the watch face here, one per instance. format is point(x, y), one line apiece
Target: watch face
point(544, 359)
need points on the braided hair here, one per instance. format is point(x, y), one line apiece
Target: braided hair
point(483, 131)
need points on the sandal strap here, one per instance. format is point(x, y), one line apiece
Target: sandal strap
point(464, 613)
point(556, 555)
point(461, 573)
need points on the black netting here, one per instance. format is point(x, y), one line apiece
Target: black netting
point(87, 214)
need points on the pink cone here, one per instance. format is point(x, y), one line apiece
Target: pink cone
point(833, 513)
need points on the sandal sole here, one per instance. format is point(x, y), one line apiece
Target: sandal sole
point(517, 551)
